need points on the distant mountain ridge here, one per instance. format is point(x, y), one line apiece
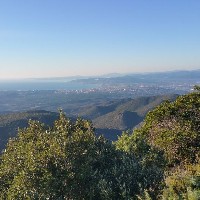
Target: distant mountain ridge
point(169, 74)
point(152, 77)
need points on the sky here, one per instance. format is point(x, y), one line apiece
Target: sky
point(57, 38)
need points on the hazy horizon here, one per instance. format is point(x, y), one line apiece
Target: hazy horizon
point(63, 38)
point(75, 77)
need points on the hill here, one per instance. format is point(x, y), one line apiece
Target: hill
point(116, 116)
point(109, 118)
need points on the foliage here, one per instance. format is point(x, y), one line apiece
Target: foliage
point(183, 183)
point(66, 161)
point(197, 87)
point(174, 127)
point(34, 164)
point(167, 147)
point(9, 123)
point(150, 160)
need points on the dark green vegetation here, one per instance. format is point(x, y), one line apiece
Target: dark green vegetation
point(159, 160)
point(114, 117)
point(110, 118)
point(66, 161)
point(10, 123)
point(172, 129)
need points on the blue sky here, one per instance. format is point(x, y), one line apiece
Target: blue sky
point(48, 38)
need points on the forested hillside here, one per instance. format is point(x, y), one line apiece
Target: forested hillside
point(110, 118)
point(158, 160)
point(129, 113)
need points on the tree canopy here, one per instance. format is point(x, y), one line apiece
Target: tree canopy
point(66, 161)
point(170, 138)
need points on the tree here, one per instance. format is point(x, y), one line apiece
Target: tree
point(174, 128)
point(65, 161)
point(150, 160)
point(183, 183)
point(165, 145)
point(48, 163)
point(197, 87)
